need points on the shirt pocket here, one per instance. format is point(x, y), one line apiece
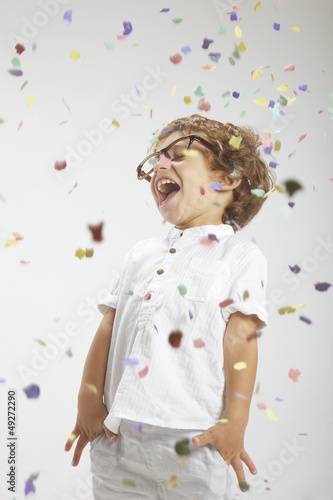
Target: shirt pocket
point(205, 279)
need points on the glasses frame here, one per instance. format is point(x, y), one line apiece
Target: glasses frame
point(192, 137)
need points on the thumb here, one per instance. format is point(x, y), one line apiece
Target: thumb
point(110, 435)
point(201, 439)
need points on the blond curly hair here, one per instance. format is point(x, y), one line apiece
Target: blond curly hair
point(244, 161)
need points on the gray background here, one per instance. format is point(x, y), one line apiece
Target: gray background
point(57, 291)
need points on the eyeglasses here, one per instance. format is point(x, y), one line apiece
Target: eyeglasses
point(144, 169)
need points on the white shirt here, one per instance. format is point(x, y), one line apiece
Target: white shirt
point(175, 284)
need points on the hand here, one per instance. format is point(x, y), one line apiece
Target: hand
point(89, 425)
point(228, 439)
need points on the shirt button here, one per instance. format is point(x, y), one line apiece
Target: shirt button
point(160, 271)
point(147, 296)
point(181, 234)
point(172, 250)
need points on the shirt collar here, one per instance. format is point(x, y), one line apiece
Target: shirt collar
point(221, 230)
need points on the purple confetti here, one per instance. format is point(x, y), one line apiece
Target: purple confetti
point(2, 379)
point(271, 104)
point(295, 269)
point(279, 399)
point(262, 284)
point(235, 95)
point(240, 396)
point(32, 391)
point(166, 9)
point(291, 154)
point(29, 487)
point(233, 17)
point(212, 237)
point(273, 164)
point(282, 113)
point(68, 16)
point(167, 129)
point(130, 362)
point(291, 204)
point(268, 150)
point(206, 43)
point(185, 50)
point(190, 314)
point(216, 186)
point(16, 72)
point(322, 287)
point(156, 328)
point(238, 227)
point(215, 55)
point(137, 427)
point(276, 26)
point(306, 320)
point(127, 28)
point(303, 87)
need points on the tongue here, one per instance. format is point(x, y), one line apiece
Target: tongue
point(170, 188)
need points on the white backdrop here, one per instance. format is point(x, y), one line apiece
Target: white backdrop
point(64, 112)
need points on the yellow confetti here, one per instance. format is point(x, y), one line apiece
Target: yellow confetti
point(246, 295)
point(92, 388)
point(296, 28)
point(235, 141)
point(268, 193)
point(291, 101)
point(256, 73)
point(80, 253)
point(74, 55)
point(277, 145)
point(41, 342)
point(262, 101)
point(116, 124)
point(257, 389)
point(240, 365)
point(147, 107)
point(173, 481)
point(89, 252)
point(270, 414)
point(272, 77)
point(70, 437)
point(173, 91)
point(283, 88)
point(187, 99)
point(24, 84)
point(208, 68)
point(241, 47)
point(223, 421)
point(11, 242)
point(191, 153)
point(238, 32)
point(258, 4)
point(182, 459)
point(279, 188)
point(30, 100)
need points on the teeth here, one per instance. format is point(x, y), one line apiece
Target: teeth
point(163, 181)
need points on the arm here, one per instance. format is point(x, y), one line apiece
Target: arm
point(91, 410)
point(228, 437)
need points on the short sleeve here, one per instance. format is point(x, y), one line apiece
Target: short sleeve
point(111, 300)
point(252, 279)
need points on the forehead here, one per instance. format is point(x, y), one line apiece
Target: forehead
point(163, 143)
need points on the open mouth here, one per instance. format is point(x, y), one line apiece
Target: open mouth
point(166, 189)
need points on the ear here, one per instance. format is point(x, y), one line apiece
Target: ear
point(229, 182)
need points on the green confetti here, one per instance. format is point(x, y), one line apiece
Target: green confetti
point(217, 204)
point(2, 198)
point(34, 46)
point(331, 96)
point(286, 211)
point(256, 92)
point(226, 94)
point(16, 62)
point(56, 318)
point(222, 30)
point(226, 105)
point(177, 20)
point(232, 62)
point(258, 192)
point(198, 91)
point(244, 486)
point(69, 353)
point(243, 113)
point(182, 447)
point(242, 96)
point(158, 307)
point(32, 477)
point(153, 161)
point(129, 482)
point(253, 240)
point(108, 45)
point(130, 293)
point(182, 290)
point(283, 100)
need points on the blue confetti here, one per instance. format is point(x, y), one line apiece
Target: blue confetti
point(216, 186)
point(156, 328)
point(233, 17)
point(276, 26)
point(190, 314)
point(271, 104)
point(68, 16)
point(238, 227)
point(137, 427)
point(235, 95)
point(279, 399)
point(291, 204)
point(127, 28)
point(130, 362)
point(215, 55)
point(268, 150)
point(32, 391)
point(206, 43)
point(322, 287)
point(29, 487)
point(185, 50)
point(303, 87)
point(166, 9)
point(291, 154)
point(273, 164)
point(213, 237)
point(306, 320)
point(296, 269)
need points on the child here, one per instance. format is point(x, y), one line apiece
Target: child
point(178, 374)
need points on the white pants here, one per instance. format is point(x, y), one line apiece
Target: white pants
point(143, 464)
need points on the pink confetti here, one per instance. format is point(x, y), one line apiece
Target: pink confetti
point(254, 335)
point(202, 191)
point(163, 160)
point(261, 406)
point(18, 236)
point(143, 372)
point(294, 374)
point(76, 184)
point(25, 261)
point(121, 37)
point(204, 105)
point(220, 145)
point(19, 48)
point(301, 138)
point(20, 125)
point(290, 67)
point(266, 142)
point(198, 343)
point(226, 303)
point(176, 59)
point(65, 103)
point(60, 165)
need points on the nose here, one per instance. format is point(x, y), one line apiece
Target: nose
point(163, 164)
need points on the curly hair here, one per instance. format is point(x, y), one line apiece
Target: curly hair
point(244, 161)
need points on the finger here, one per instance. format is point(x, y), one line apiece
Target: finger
point(204, 438)
point(247, 460)
point(71, 438)
point(110, 435)
point(80, 445)
point(238, 468)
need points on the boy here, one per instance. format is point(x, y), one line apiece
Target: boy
point(178, 374)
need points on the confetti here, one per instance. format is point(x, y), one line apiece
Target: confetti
point(190, 314)
point(238, 32)
point(276, 26)
point(29, 487)
point(127, 28)
point(233, 16)
point(241, 47)
point(108, 45)
point(292, 186)
point(322, 287)
point(70, 437)
point(283, 88)
point(177, 20)
point(32, 391)
point(208, 68)
point(240, 365)
point(89, 252)
point(215, 56)
point(143, 372)
point(241, 396)
point(19, 48)
point(175, 338)
point(223, 421)
point(96, 231)
point(166, 9)
point(24, 84)
point(238, 227)
point(306, 320)
point(206, 43)
point(226, 303)
point(80, 253)
point(68, 16)
point(60, 165)
point(130, 361)
point(198, 343)
point(235, 141)
point(222, 30)
point(172, 93)
point(129, 482)
point(173, 482)
point(258, 4)
point(182, 447)
point(16, 62)
point(185, 50)
point(92, 388)
point(262, 101)
point(182, 290)
point(15, 72)
point(216, 186)
point(74, 55)
point(254, 335)
point(41, 342)
point(31, 99)
point(187, 100)
point(176, 59)
point(294, 374)
point(290, 67)
point(303, 87)
point(261, 406)
point(271, 415)
point(301, 138)
point(296, 28)
point(204, 105)
point(258, 192)
point(256, 73)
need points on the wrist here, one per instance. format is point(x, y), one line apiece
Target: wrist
point(89, 392)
